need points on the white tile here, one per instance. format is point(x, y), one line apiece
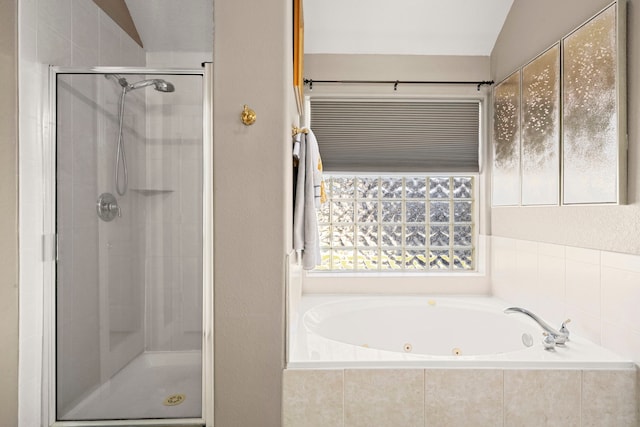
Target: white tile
point(621, 261)
point(53, 49)
point(109, 49)
point(55, 14)
point(549, 249)
point(584, 324)
point(549, 300)
point(590, 256)
point(527, 246)
point(583, 286)
point(621, 340)
point(85, 25)
point(132, 54)
point(28, 50)
point(28, 12)
point(503, 266)
point(621, 297)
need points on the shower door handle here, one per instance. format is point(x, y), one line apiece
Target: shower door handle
point(107, 207)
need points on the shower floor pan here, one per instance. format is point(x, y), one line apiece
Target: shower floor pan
point(153, 385)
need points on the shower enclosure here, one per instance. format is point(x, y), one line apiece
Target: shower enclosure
point(129, 232)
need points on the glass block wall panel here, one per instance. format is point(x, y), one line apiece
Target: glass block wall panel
point(541, 129)
point(506, 142)
point(590, 120)
point(398, 223)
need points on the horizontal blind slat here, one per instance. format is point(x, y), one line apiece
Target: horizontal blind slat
point(399, 136)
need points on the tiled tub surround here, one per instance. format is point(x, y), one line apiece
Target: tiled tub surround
point(598, 290)
point(459, 397)
point(415, 390)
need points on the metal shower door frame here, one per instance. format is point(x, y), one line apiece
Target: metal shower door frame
point(49, 238)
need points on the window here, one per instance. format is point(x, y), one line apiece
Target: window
point(408, 222)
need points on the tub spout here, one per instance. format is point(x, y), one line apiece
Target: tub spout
point(559, 336)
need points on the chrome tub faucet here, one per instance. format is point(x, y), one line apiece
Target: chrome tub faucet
point(559, 337)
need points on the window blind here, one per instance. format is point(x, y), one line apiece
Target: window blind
point(397, 136)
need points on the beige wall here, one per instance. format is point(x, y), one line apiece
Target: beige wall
point(395, 67)
point(8, 212)
point(529, 29)
point(252, 180)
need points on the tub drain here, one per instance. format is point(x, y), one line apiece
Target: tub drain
point(174, 399)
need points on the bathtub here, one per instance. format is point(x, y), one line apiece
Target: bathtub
point(333, 332)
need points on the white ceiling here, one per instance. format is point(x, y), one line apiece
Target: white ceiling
point(410, 27)
point(170, 25)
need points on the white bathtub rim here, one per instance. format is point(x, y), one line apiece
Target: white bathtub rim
point(595, 357)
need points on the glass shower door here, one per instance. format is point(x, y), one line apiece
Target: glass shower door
point(129, 282)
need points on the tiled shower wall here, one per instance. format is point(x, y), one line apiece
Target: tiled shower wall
point(172, 185)
point(64, 33)
point(452, 397)
point(96, 260)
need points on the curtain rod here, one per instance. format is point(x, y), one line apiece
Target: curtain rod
point(395, 83)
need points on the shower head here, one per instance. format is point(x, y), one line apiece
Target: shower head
point(158, 84)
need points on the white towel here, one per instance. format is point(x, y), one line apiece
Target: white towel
point(309, 196)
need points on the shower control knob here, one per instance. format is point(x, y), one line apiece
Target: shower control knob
point(107, 207)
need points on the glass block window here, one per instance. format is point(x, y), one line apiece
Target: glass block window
point(398, 223)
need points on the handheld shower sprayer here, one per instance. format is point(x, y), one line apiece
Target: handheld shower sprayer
point(158, 84)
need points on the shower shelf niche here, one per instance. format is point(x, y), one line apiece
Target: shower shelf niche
point(151, 191)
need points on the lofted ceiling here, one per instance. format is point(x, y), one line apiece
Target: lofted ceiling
point(171, 25)
point(408, 27)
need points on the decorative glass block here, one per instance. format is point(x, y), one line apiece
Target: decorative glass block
point(439, 235)
point(415, 212)
point(541, 129)
point(439, 212)
point(342, 187)
point(368, 235)
point(342, 235)
point(367, 188)
point(462, 187)
point(590, 112)
point(415, 188)
point(439, 260)
point(391, 187)
point(462, 235)
point(462, 211)
point(506, 142)
point(392, 235)
point(415, 260)
point(415, 235)
point(323, 213)
point(391, 259)
point(367, 259)
point(463, 259)
point(342, 259)
point(325, 235)
point(408, 230)
point(325, 259)
point(342, 212)
point(439, 188)
point(367, 211)
point(391, 211)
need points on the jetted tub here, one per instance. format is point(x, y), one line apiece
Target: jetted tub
point(430, 332)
